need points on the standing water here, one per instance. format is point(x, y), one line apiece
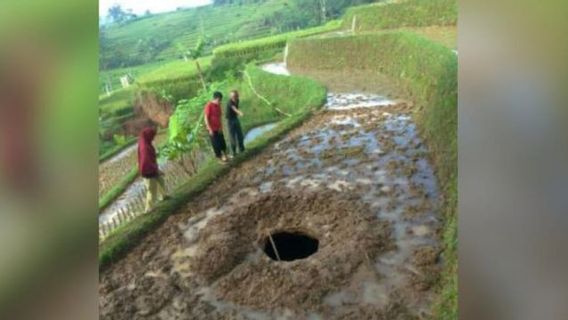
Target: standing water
point(258, 131)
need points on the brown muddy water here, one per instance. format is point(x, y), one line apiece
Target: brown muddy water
point(355, 178)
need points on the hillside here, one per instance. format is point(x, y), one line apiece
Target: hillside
point(157, 37)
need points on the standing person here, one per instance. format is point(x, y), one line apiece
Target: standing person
point(214, 125)
point(148, 168)
point(235, 132)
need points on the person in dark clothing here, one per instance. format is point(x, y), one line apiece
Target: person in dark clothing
point(235, 131)
point(148, 168)
point(213, 116)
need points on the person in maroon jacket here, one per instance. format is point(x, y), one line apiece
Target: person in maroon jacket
point(148, 168)
point(213, 116)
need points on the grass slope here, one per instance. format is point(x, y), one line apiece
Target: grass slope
point(410, 13)
point(175, 69)
point(427, 72)
point(221, 24)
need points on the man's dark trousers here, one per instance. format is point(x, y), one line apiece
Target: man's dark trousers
point(218, 143)
point(236, 136)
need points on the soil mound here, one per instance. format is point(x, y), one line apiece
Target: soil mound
point(230, 249)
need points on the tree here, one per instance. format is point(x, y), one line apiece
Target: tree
point(195, 54)
point(118, 15)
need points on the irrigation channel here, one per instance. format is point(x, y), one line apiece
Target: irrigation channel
point(337, 220)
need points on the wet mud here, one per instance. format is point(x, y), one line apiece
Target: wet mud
point(356, 178)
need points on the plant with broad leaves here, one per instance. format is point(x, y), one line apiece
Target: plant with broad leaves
point(195, 54)
point(185, 134)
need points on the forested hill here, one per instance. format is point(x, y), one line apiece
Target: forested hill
point(136, 40)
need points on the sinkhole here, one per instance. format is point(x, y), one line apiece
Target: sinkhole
point(290, 246)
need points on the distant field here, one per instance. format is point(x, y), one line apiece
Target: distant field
point(114, 75)
point(174, 69)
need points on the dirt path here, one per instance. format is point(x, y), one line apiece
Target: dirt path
point(354, 177)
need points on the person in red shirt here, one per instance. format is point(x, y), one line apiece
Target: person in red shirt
point(148, 168)
point(213, 116)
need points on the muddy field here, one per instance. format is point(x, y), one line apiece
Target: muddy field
point(354, 180)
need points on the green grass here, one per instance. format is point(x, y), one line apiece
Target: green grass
point(305, 96)
point(447, 304)
point(427, 72)
point(114, 110)
point(113, 75)
point(410, 13)
point(445, 35)
point(234, 56)
point(289, 94)
point(116, 149)
point(117, 101)
point(175, 69)
point(277, 41)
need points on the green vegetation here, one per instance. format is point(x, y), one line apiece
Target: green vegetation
point(410, 13)
point(154, 50)
point(114, 149)
point(427, 72)
point(445, 35)
point(116, 103)
point(287, 95)
point(163, 37)
point(304, 96)
point(113, 111)
point(274, 42)
point(233, 56)
point(174, 70)
point(176, 79)
point(112, 76)
point(155, 38)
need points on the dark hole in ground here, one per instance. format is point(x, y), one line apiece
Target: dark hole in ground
point(290, 246)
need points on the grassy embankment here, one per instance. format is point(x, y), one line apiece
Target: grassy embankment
point(427, 73)
point(303, 97)
point(232, 56)
point(434, 19)
point(410, 13)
